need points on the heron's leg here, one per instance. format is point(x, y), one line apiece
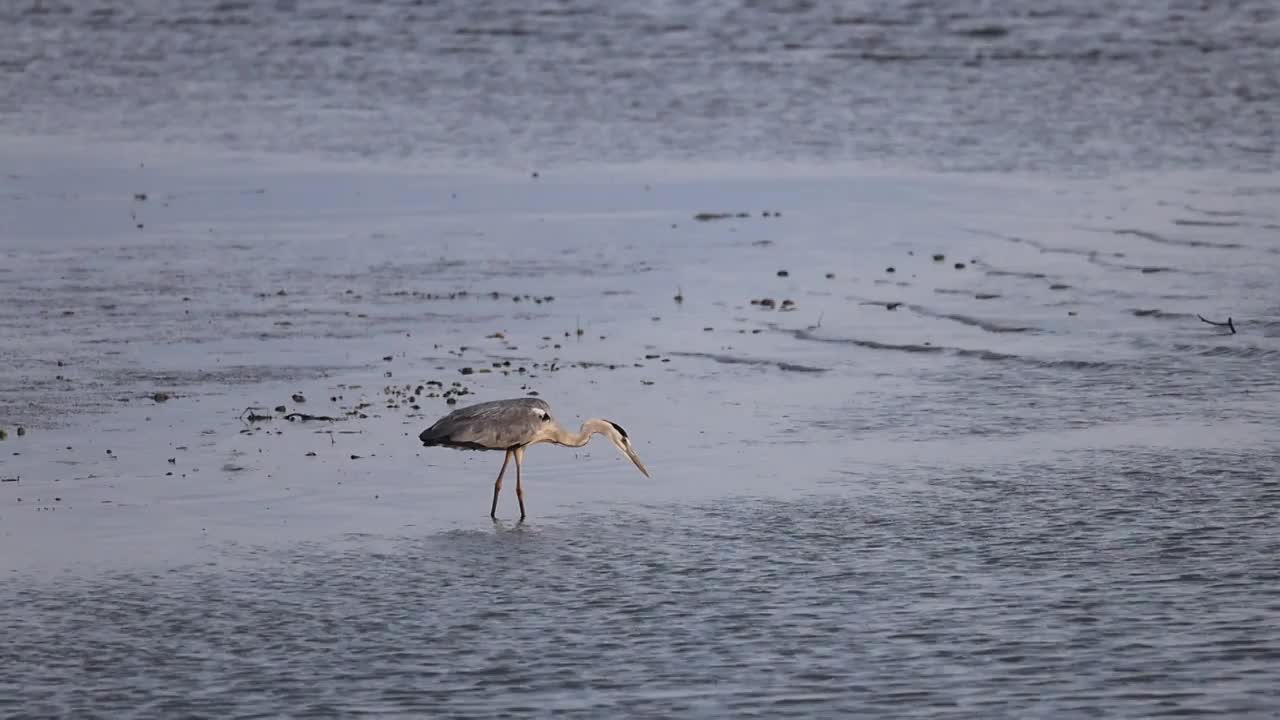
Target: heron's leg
point(519, 453)
point(497, 486)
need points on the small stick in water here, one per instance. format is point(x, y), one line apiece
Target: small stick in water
point(1228, 324)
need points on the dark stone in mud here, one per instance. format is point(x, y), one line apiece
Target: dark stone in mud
point(298, 398)
point(890, 269)
point(783, 273)
point(939, 257)
point(831, 276)
point(892, 305)
point(281, 408)
point(986, 296)
point(960, 266)
point(160, 397)
point(1059, 286)
point(140, 197)
point(451, 401)
point(21, 431)
point(767, 303)
point(3, 435)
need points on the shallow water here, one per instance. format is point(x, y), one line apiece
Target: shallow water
point(1038, 485)
point(1035, 484)
point(1059, 86)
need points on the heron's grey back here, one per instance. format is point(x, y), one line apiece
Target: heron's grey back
point(495, 425)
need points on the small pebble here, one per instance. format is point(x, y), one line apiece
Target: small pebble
point(959, 266)
point(830, 276)
point(298, 398)
point(783, 273)
point(889, 270)
point(939, 257)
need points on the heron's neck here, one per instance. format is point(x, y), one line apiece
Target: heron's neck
point(580, 438)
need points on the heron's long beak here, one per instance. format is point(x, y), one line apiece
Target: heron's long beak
point(635, 459)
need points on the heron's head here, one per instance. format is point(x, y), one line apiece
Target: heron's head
point(615, 433)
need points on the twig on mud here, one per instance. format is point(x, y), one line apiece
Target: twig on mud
point(1228, 324)
point(15, 478)
point(250, 414)
point(303, 417)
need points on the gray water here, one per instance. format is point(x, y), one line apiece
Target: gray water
point(1058, 86)
point(1036, 485)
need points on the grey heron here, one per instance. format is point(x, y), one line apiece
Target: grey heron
point(513, 425)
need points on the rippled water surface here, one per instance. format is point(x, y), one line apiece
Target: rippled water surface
point(963, 444)
point(1059, 85)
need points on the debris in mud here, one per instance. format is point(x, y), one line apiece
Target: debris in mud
point(140, 197)
point(311, 453)
point(21, 431)
point(892, 305)
point(831, 276)
point(281, 408)
point(304, 417)
point(986, 296)
point(783, 273)
point(679, 297)
point(890, 269)
point(250, 414)
point(466, 371)
point(1229, 324)
point(14, 479)
point(788, 305)
point(939, 257)
point(960, 266)
point(298, 398)
point(3, 434)
point(160, 397)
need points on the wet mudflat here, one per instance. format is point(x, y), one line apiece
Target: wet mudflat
point(1017, 474)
